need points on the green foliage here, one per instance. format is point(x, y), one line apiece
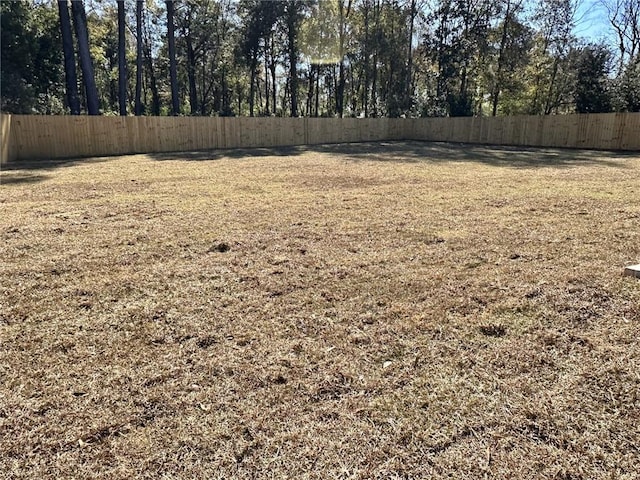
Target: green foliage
point(592, 93)
point(327, 58)
point(551, 69)
point(31, 58)
point(457, 47)
point(627, 92)
point(320, 34)
point(104, 52)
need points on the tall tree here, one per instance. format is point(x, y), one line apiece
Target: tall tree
point(86, 63)
point(32, 75)
point(624, 17)
point(150, 36)
point(187, 27)
point(413, 13)
point(628, 87)
point(173, 71)
point(71, 77)
point(456, 44)
point(251, 32)
point(554, 45)
point(344, 9)
point(394, 26)
point(122, 60)
point(139, 57)
point(293, 13)
point(206, 57)
point(513, 45)
point(592, 93)
point(259, 19)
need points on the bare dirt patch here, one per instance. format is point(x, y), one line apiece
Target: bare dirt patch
point(405, 310)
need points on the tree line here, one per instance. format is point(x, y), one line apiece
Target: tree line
point(366, 58)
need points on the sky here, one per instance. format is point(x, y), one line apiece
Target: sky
point(593, 24)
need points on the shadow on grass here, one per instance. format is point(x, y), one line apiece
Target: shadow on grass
point(499, 156)
point(423, 152)
point(18, 178)
point(384, 151)
point(234, 153)
point(47, 164)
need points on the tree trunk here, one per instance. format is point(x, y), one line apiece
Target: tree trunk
point(367, 76)
point(497, 85)
point(122, 60)
point(70, 75)
point(341, 78)
point(272, 68)
point(191, 74)
point(139, 57)
point(226, 94)
point(293, 55)
point(86, 64)
point(412, 17)
point(204, 90)
point(340, 90)
point(534, 108)
point(317, 90)
point(550, 103)
point(153, 84)
point(374, 73)
point(266, 76)
point(173, 70)
point(309, 111)
point(252, 88)
point(353, 89)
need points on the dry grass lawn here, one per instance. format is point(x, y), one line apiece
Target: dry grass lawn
point(395, 310)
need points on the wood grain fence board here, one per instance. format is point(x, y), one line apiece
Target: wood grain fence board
point(548, 132)
point(421, 130)
point(438, 129)
point(246, 133)
point(581, 131)
point(416, 132)
point(474, 128)
point(592, 132)
point(299, 131)
point(428, 129)
point(618, 131)
point(424, 128)
point(395, 128)
point(607, 134)
point(211, 134)
point(533, 130)
point(510, 131)
point(494, 131)
point(417, 126)
point(214, 133)
point(5, 139)
point(631, 136)
point(313, 130)
point(8, 152)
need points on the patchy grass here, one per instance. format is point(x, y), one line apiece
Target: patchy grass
point(397, 310)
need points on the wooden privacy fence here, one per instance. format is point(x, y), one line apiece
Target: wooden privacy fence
point(600, 131)
point(31, 137)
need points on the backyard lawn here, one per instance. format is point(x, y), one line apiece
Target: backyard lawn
point(378, 310)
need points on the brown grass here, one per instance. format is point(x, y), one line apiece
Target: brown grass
point(397, 310)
